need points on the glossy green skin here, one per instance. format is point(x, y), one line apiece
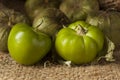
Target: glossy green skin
point(26, 45)
point(78, 48)
point(93, 32)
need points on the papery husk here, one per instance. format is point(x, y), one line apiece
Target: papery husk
point(47, 26)
point(79, 9)
point(4, 32)
point(108, 51)
point(50, 21)
point(8, 18)
point(110, 4)
point(108, 22)
point(34, 7)
point(13, 4)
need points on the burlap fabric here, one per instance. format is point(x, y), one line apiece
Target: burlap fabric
point(10, 70)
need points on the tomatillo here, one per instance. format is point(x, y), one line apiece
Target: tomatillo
point(26, 45)
point(79, 42)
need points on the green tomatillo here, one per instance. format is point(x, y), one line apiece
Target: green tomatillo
point(26, 45)
point(79, 42)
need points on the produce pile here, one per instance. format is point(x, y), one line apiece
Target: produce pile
point(71, 31)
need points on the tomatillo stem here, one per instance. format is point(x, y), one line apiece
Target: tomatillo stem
point(80, 30)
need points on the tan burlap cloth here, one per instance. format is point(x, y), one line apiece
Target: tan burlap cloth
point(10, 70)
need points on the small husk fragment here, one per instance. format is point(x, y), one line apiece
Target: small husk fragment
point(107, 52)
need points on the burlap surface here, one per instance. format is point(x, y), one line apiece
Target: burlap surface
point(10, 70)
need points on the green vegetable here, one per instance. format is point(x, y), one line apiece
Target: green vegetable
point(79, 42)
point(26, 45)
point(8, 17)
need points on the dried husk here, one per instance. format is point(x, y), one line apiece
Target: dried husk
point(110, 4)
point(13, 4)
point(4, 32)
point(79, 9)
point(33, 7)
point(8, 18)
point(50, 21)
point(109, 23)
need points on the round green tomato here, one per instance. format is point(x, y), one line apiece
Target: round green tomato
point(79, 43)
point(26, 45)
point(89, 30)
